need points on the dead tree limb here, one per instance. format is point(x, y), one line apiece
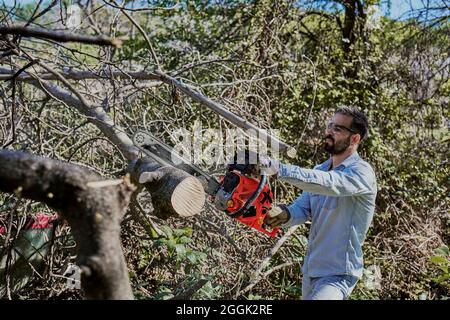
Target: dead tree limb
point(94, 114)
point(144, 34)
point(257, 276)
point(174, 192)
point(60, 36)
point(158, 75)
point(6, 74)
point(225, 113)
point(94, 214)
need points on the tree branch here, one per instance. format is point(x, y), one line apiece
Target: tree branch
point(174, 192)
point(60, 36)
point(94, 214)
point(224, 112)
point(5, 74)
point(96, 115)
point(257, 276)
point(161, 76)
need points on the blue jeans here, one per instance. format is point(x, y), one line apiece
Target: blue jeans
point(328, 288)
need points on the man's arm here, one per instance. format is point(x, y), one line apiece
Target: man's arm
point(359, 180)
point(299, 210)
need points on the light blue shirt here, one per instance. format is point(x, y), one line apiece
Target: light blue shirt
point(340, 204)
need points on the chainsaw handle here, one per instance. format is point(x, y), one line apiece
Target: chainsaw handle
point(250, 200)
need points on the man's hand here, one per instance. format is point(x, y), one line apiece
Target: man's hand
point(277, 216)
point(268, 166)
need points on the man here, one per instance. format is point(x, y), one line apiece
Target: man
point(339, 199)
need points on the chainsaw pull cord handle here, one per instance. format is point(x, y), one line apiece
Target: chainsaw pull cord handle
point(250, 200)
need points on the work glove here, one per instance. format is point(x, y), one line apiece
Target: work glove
point(268, 166)
point(277, 216)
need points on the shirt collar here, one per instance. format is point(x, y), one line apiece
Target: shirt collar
point(350, 160)
point(325, 165)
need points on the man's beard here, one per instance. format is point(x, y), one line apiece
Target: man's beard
point(336, 147)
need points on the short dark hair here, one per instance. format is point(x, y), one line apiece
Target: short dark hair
point(359, 124)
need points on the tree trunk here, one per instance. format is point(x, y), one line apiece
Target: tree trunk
point(93, 208)
point(174, 192)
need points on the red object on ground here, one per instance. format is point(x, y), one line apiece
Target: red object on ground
point(38, 221)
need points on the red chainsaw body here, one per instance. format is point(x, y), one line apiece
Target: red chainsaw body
point(244, 188)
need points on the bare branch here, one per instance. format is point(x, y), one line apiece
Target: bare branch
point(257, 276)
point(222, 110)
point(96, 115)
point(5, 74)
point(144, 34)
point(159, 75)
point(60, 36)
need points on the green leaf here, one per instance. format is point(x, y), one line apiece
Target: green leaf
point(182, 232)
point(178, 232)
point(167, 231)
point(443, 251)
point(164, 294)
point(180, 249)
point(184, 240)
point(439, 259)
point(171, 244)
point(192, 257)
point(443, 277)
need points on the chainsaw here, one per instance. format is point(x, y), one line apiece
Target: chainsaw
point(239, 192)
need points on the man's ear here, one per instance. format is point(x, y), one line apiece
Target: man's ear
point(356, 138)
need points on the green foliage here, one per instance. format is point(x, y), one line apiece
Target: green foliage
point(441, 260)
point(163, 293)
point(254, 297)
point(209, 291)
point(176, 241)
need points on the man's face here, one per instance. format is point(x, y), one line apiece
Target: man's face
point(337, 134)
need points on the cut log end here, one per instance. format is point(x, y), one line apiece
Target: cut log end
point(188, 197)
point(174, 192)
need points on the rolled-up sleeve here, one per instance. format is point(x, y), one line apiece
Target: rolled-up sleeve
point(354, 180)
